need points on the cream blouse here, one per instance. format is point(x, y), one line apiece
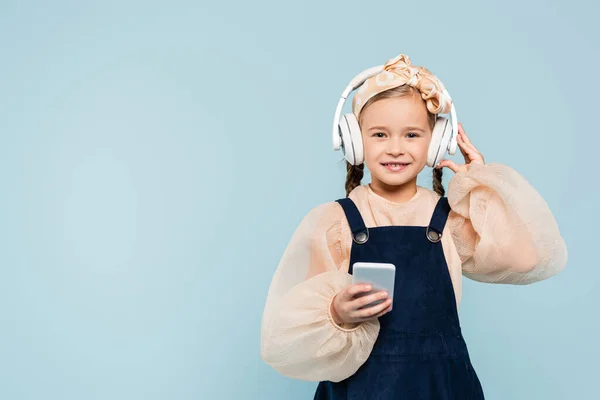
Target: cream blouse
point(500, 230)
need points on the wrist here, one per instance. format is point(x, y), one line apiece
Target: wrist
point(337, 323)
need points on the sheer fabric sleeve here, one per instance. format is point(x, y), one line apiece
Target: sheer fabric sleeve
point(503, 229)
point(299, 338)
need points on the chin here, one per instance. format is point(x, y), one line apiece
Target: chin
point(395, 180)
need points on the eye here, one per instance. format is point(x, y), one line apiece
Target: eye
point(412, 135)
point(379, 134)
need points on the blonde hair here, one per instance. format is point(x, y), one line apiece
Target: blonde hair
point(355, 173)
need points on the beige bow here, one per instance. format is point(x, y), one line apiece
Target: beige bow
point(397, 72)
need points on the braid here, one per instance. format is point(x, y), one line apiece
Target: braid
point(354, 176)
point(437, 182)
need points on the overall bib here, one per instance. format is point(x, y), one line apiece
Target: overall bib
point(420, 353)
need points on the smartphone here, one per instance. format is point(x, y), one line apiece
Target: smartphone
point(380, 275)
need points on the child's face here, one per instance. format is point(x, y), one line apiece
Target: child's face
point(395, 130)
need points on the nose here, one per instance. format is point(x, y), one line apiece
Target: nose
point(395, 147)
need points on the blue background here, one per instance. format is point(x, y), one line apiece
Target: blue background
point(156, 157)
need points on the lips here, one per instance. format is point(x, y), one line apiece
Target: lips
point(395, 166)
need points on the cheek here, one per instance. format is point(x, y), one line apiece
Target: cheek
point(417, 148)
point(423, 148)
point(372, 149)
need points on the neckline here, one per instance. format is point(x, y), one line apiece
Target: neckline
point(391, 203)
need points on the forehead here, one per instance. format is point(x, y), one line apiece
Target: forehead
point(396, 112)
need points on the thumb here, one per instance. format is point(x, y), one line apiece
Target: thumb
point(448, 164)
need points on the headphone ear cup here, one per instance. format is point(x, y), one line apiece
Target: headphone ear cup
point(347, 146)
point(440, 138)
point(352, 139)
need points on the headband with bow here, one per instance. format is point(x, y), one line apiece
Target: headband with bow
point(397, 72)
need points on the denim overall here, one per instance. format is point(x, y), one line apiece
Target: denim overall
point(420, 352)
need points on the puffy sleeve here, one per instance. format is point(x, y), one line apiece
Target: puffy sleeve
point(503, 229)
point(299, 338)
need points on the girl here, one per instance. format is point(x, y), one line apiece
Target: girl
point(492, 227)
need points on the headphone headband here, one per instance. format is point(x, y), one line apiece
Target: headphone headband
point(354, 84)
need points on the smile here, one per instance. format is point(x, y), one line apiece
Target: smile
point(395, 167)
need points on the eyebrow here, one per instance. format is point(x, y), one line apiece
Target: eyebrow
point(409, 128)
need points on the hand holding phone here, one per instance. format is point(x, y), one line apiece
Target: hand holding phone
point(349, 307)
point(364, 298)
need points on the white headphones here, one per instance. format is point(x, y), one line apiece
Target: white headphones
point(347, 135)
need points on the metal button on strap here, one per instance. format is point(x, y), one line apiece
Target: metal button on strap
point(361, 237)
point(433, 236)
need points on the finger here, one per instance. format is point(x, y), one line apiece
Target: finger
point(355, 289)
point(387, 310)
point(449, 164)
point(465, 139)
point(472, 152)
point(466, 152)
point(363, 301)
point(461, 145)
point(461, 131)
point(467, 146)
point(371, 311)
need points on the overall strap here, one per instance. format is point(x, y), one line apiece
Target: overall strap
point(360, 233)
point(438, 220)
